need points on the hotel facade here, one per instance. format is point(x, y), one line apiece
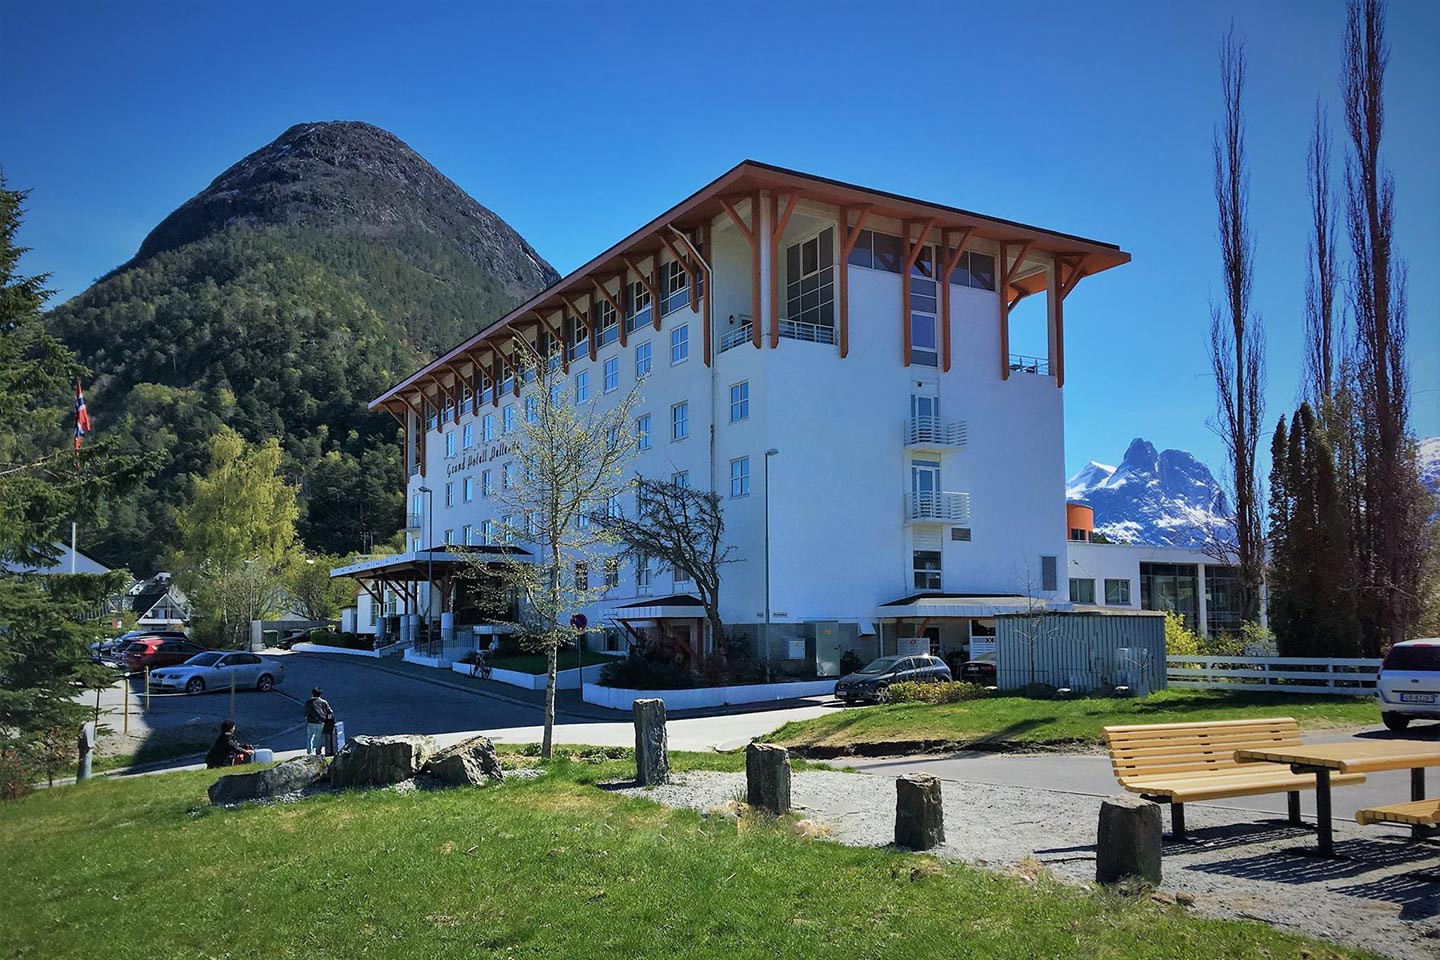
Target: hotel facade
point(836, 363)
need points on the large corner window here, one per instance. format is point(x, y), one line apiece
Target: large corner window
point(810, 285)
point(927, 569)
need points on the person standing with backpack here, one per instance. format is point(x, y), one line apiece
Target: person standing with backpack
point(318, 716)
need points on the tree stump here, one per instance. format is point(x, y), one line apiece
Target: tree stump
point(919, 817)
point(652, 755)
point(767, 777)
point(1128, 841)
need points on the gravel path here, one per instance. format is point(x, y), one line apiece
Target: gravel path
point(1246, 867)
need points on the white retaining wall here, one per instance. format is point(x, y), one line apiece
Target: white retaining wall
point(620, 698)
point(322, 648)
point(564, 679)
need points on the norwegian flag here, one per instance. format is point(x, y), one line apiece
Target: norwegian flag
point(82, 417)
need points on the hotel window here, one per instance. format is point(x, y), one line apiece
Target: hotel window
point(508, 384)
point(740, 477)
point(507, 528)
point(450, 494)
point(487, 428)
point(974, 270)
point(447, 412)
point(532, 409)
point(637, 305)
point(612, 374)
point(680, 344)
point(680, 420)
point(642, 432)
point(1082, 590)
point(923, 310)
point(430, 416)
point(417, 507)
point(507, 475)
point(927, 569)
point(487, 391)
point(467, 401)
point(607, 325)
point(508, 419)
point(680, 480)
point(449, 536)
point(486, 487)
point(612, 506)
point(467, 489)
point(642, 573)
point(579, 336)
point(532, 526)
point(642, 361)
point(1049, 574)
point(612, 573)
point(739, 401)
point(810, 281)
point(1117, 593)
point(466, 535)
point(467, 439)
point(582, 575)
point(674, 286)
point(449, 443)
point(582, 386)
point(487, 532)
point(880, 251)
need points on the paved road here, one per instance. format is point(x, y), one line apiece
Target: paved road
point(1090, 774)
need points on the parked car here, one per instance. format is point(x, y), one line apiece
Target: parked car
point(1408, 685)
point(156, 651)
point(112, 648)
point(980, 670)
point(217, 670)
point(871, 682)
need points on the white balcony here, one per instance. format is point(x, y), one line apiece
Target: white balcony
point(413, 521)
point(742, 332)
point(932, 433)
point(937, 508)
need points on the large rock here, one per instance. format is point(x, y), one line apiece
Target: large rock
point(1127, 844)
point(919, 817)
point(379, 761)
point(468, 763)
point(292, 776)
point(767, 777)
point(652, 751)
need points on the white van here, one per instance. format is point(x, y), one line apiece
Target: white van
point(1408, 686)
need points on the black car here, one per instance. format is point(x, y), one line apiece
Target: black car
point(981, 670)
point(872, 682)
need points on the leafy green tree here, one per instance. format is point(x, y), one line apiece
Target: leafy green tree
point(313, 593)
point(44, 485)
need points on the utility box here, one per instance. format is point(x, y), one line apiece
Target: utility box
point(827, 648)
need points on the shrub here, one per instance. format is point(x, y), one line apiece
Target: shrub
point(915, 691)
point(1180, 640)
point(636, 673)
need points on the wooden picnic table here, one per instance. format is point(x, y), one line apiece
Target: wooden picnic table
point(1349, 756)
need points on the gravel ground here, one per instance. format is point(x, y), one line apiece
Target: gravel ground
point(1245, 867)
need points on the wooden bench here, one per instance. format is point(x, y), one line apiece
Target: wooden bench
point(1179, 763)
point(1416, 813)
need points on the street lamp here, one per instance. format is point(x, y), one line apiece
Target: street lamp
point(768, 647)
point(429, 553)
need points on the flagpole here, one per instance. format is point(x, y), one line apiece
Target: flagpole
point(72, 546)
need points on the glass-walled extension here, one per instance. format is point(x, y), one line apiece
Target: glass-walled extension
point(1206, 596)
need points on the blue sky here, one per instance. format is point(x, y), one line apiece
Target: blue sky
point(578, 122)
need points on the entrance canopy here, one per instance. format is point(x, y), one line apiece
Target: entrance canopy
point(402, 572)
point(930, 606)
point(679, 605)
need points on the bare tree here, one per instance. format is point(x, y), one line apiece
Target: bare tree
point(1237, 336)
point(1322, 340)
point(1396, 548)
point(684, 528)
point(569, 463)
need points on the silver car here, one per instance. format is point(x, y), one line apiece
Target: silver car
point(219, 670)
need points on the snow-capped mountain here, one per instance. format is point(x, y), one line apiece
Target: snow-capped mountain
point(1167, 498)
point(1428, 453)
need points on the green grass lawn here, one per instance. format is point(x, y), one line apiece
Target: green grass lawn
point(552, 867)
point(535, 662)
point(1002, 719)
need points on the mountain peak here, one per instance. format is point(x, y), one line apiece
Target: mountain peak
point(1167, 497)
point(350, 177)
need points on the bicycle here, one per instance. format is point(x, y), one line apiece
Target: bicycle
point(481, 667)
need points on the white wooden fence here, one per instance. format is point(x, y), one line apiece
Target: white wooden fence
point(1336, 675)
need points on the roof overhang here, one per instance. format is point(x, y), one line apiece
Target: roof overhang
point(745, 179)
point(940, 607)
point(678, 607)
point(416, 564)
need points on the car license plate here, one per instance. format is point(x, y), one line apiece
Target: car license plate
point(1417, 698)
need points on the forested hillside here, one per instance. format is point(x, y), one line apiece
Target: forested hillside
point(278, 302)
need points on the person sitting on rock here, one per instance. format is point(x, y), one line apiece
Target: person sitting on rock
point(227, 750)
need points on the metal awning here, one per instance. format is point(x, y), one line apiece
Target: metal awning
point(416, 564)
point(677, 606)
point(931, 606)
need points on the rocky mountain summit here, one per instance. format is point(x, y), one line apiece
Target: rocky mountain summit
point(1168, 498)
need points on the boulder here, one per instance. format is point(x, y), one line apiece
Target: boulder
point(919, 816)
point(292, 776)
point(767, 777)
point(470, 762)
point(652, 752)
point(1127, 844)
point(379, 761)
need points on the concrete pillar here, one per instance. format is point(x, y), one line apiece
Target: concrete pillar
point(1202, 605)
point(1127, 843)
point(652, 754)
point(767, 777)
point(919, 816)
point(447, 629)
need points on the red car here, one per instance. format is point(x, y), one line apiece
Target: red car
point(158, 652)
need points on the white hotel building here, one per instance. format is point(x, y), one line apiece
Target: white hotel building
point(836, 363)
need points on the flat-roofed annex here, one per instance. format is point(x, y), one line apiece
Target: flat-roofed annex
point(676, 231)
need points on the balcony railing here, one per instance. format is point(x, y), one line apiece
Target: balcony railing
point(809, 332)
point(937, 508)
point(932, 433)
point(413, 521)
point(743, 332)
point(1035, 365)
